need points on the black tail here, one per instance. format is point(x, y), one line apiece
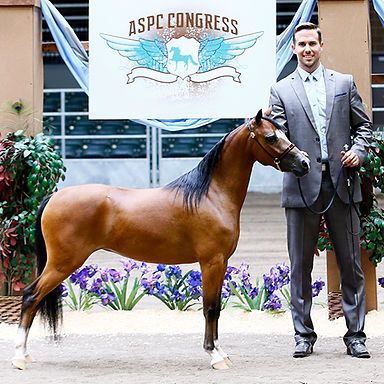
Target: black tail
point(50, 307)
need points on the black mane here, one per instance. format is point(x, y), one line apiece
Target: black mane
point(195, 183)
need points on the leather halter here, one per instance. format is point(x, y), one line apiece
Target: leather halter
point(276, 160)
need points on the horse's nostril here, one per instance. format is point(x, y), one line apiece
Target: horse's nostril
point(304, 164)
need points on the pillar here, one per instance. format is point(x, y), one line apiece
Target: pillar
point(345, 25)
point(21, 63)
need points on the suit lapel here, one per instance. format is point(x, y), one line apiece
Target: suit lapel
point(330, 87)
point(298, 87)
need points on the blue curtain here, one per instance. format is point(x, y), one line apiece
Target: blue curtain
point(284, 40)
point(379, 7)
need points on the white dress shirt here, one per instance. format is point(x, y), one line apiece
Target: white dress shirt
point(314, 86)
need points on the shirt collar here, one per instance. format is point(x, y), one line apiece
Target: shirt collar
point(317, 74)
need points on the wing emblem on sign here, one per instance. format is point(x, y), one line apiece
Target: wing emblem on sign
point(183, 57)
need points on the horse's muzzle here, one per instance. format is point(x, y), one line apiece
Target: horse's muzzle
point(302, 165)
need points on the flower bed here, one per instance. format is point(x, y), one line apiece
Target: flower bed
point(123, 289)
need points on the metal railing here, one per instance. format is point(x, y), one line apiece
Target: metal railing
point(378, 109)
point(61, 137)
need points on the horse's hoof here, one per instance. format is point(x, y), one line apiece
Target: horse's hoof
point(19, 364)
point(228, 361)
point(28, 359)
point(220, 365)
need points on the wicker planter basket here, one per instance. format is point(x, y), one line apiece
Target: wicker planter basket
point(10, 307)
point(335, 309)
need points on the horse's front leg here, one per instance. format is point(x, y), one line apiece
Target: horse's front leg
point(213, 276)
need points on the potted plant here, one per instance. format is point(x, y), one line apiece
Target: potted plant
point(30, 169)
point(371, 214)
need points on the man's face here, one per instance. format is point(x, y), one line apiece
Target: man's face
point(308, 49)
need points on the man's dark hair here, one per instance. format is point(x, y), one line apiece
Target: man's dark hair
point(307, 26)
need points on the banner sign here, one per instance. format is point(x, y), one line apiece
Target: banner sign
point(190, 59)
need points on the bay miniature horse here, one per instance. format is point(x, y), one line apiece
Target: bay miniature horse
point(193, 219)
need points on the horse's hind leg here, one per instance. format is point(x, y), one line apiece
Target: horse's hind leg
point(213, 276)
point(21, 357)
point(43, 294)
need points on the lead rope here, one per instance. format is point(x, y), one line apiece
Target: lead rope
point(330, 202)
point(353, 234)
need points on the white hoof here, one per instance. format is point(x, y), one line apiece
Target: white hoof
point(19, 364)
point(228, 361)
point(220, 365)
point(28, 358)
point(223, 355)
point(217, 361)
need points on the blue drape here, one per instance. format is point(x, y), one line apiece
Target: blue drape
point(379, 7)
point(284, 40)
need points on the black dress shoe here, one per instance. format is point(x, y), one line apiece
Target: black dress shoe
point(303, 348)
point(357, 348)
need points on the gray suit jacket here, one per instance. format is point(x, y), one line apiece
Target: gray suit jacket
point(347, 123)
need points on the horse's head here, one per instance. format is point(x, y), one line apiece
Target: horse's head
point(274, 148)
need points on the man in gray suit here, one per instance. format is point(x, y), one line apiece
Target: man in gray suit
point(324, 117)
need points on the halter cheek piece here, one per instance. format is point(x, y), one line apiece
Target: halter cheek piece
point(276, 160)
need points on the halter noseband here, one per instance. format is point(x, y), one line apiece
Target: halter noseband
point(276, 160)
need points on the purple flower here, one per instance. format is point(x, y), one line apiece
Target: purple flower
point(317, 286)
point(144, 268)
point(107, 297)
point(80, 277)
point(253, 293)
point(194, 283)
point(161, 267)
point(226, 289)
point(283, 272)
point(269, 283)
point(273, 303)
point(96, 286)
point(381, 281)
point(173, 270)
point(104, 275)
point(115, 275)
point(177, 296)
point(229, 271)
point(152, 285)
point(194, 279)
point(63, 290)
point(129, 265)
point(244, 271)
point(277, 278)
point(91, 270)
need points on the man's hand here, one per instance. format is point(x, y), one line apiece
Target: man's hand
point(349, 159)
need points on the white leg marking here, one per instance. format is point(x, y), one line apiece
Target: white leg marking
point(27, 356)
point(223, 354)
point(217, 361)
point(19, 360)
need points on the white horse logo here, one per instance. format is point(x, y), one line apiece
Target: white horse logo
point(183, 51)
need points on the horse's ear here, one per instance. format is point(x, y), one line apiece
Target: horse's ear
point(258, 117)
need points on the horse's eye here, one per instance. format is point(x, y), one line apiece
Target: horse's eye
point(271, 139)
